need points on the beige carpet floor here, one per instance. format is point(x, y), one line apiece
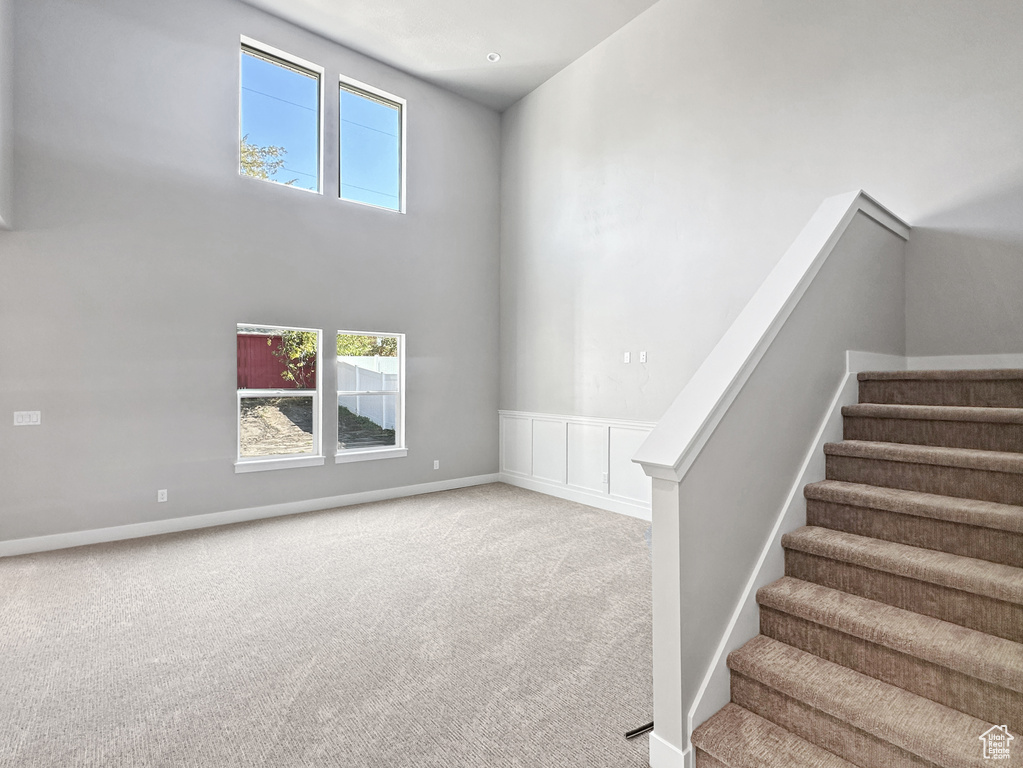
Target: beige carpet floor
point(489, 626)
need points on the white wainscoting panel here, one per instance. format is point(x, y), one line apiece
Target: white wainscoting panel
point(579, 458)
point(587, 456)
point(517, 445)
point(550, 450)
point(630, 481)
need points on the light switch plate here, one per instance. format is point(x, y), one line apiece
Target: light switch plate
point(28, 418)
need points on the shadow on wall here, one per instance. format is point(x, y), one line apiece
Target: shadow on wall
point(964, 273)
point(994, 213)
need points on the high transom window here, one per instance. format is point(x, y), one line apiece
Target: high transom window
point(280, 117)
point(371, 146)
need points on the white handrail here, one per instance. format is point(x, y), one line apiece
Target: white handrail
point(675, 442)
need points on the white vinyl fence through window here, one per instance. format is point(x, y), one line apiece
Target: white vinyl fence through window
point(368, 379)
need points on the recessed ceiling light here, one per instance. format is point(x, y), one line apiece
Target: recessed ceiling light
point(493, 57)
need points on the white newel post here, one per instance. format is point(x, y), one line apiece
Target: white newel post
point(669, 747)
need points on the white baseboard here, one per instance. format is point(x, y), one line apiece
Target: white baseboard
point(582, 496)
point(177, 524)
point(665, 755)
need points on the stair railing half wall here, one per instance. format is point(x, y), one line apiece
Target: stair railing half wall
point(724, 456)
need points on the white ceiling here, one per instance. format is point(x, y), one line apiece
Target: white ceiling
point(447, 41)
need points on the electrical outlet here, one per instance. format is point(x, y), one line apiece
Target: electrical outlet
point(627, 357)
point(161, 495)
point(436, 463)
point(603, 477)
point(642, 356)
point(28, 418)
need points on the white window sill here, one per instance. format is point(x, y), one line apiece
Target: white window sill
point(277, 462)
point(346, 457)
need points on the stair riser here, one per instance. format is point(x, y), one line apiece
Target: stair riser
point(820, 728)
point(996, 546)
point(703, 760)
point(978, 612)
point(984, 436)
point(1002, 487)
point(979, 698)
point(1007, 393)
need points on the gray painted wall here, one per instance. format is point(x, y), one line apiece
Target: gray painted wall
point(649, 188)
point(6, 113)
point(963, 293)
point(139, 247)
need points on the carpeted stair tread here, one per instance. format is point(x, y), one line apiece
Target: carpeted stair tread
point(737, 738)
point(967, 574)
point(897, 634)
point(992, 388)
point(962, 458)
point(952, 426)
point(988, 374)
point(976, 654)
point(935, 412)
point(923, 728)
point(984, 514)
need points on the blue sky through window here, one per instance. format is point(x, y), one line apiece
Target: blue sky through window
point(280, 108)
point(370, 150)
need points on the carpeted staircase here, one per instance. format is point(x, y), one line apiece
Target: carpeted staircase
point(895, 637)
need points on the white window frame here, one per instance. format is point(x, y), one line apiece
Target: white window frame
point(299, 63)
point(284, 461)
point(399, 449)
point(371, 92)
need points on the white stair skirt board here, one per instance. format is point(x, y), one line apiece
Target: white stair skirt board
point(582, 459)
point(193, 522)
point(665, 755)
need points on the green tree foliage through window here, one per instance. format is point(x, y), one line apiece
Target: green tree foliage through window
point(262, 162)
point(366, 346)
point(298, 351)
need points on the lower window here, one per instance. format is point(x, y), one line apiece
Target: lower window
point(278, 405)
point(370, 395)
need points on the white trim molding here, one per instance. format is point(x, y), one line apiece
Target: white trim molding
point(193, 522)
point(580, 458)
point(666, 755)
point(277, 462)
point(691, 419)
point(348, 457)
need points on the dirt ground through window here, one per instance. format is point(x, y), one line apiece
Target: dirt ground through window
point(275, 426)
